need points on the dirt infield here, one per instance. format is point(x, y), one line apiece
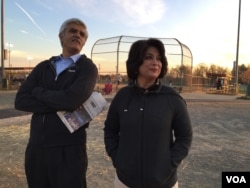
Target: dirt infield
point(220, 143)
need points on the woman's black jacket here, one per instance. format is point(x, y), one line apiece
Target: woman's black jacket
point(147, 134)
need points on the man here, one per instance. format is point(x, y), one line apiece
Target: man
point(118, 80)
point(54, 157)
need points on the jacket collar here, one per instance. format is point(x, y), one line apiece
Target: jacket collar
point(155, 88)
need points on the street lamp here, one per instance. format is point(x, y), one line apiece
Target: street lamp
point(237, 52)
point(29, 60)
point(9, 45)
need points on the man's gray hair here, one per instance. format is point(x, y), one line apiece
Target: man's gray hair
point(66, 23)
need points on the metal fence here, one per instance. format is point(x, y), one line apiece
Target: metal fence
point(110, 55)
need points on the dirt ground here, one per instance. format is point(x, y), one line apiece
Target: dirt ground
point(220, 143)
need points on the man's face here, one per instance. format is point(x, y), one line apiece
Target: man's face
point(73, 39)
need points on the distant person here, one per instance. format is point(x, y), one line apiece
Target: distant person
point(108, 86)
point(109, 80)
point(56, 158)
point(219, 83)
point(118, 80)
point(147, 131)
point(170, 83)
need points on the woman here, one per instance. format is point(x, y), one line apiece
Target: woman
point(148, 131)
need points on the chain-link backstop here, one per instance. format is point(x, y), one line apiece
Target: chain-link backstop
point(110, 55)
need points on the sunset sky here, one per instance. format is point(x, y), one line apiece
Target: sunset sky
point(207, 27)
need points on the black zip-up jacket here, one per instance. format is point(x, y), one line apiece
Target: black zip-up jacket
point(43, 93)
point(147, 134)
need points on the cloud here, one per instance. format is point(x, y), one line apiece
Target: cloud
point(81, 2)
point(45, 4)
point(131, 12)
point(24, 32)
point(30, 18)
point(142, 12)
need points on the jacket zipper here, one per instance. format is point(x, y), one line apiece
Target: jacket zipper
point(43, 126)
point(142, 138)
point(51, 64)
point(54, 70)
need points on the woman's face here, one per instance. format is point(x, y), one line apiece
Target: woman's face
point(151, 66)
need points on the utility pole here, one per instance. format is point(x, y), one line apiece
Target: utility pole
point(237, 54)
point(2, 42)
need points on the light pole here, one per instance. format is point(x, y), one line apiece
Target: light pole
point(2, 42)
point(9, 45)
point(237, 54)
point(29, 60)
point(99, 73)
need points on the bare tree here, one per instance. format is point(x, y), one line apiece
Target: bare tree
point(245, 76)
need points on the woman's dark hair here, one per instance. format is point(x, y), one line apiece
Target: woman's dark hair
point(136, 56)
